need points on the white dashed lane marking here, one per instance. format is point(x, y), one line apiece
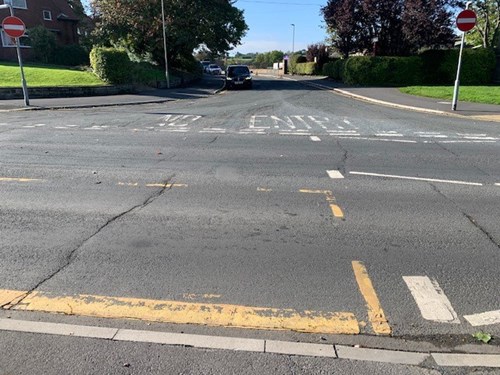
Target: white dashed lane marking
point(416, 178)
point(483, 319)
point(315, 139)
point(431, 300)
point(335, 174)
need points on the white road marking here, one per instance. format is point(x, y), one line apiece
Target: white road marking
point(432, 135)
point(481, 138)
point(431, 300)
point(303, 121)
point(389, 134)
point(315, 139)
point(486, 141)
point(394, 140)
point(483, 319)
point(175, 130)
point(497, 184)
point(416, 178)
point(346, 121)
point(291, 133)
point(340, 127)
point(334, 174)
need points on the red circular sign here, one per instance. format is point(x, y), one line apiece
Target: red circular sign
point(13, 27)
point(466, 20)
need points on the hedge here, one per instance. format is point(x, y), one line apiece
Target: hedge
point(111, 65)
point(307, 68)
point(71, 55)
point(431, 67)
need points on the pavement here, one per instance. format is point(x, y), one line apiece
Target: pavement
point(387, 96)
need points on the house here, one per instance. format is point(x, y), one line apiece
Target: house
point(56, 15)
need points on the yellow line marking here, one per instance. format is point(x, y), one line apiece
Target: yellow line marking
point(9, 179)
point(188, 312)
point(7, 296)
point(337, 211)
point(375, 313)
point(263, 189)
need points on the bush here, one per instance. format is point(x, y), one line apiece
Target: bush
point(307, 68)
point(111, 65)
point(294, 60)
point(382, 71)
point(334, 69)
point(71, 55)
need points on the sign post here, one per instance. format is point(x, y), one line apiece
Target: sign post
point(15, 28)
point(466, 21)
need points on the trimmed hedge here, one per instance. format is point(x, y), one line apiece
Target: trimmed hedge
point(307, 68)
point(431, 67)
point(111, 65)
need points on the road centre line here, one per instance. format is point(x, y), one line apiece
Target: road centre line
point(182, 312)
point(376, 314)
point(431, 300)
point(416, 178)
point(483, 319)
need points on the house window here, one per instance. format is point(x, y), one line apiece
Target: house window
point(47, 15)
point(7, 41)
point(21, 4)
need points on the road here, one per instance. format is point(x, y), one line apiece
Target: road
point(284, 212)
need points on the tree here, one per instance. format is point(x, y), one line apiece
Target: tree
point(317, 52)
point(137, 26)
point(487, 30)
point(398, 27)
point(43, 42)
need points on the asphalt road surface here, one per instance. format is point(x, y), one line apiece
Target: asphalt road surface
point(286, 211)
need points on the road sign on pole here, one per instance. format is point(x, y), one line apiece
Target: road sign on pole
point(13, 27)
point(466, 20)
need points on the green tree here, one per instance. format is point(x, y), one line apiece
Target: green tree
point(43, 42)
point(487, 30)
point(137, 26)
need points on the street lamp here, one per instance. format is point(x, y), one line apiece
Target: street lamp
point(293, 47)
point(165, 44)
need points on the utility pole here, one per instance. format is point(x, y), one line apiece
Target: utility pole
point(165, 44)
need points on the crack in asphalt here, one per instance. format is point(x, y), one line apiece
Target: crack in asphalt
point(213, 140)
point(458, 157)
point(343, 161)
point(73, 253)
point(469, 217)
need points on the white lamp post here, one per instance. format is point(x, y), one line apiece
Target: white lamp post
point(165, 43)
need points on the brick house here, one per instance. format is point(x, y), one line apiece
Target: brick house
point(55, 15)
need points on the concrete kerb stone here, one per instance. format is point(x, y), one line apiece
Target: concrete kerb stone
point(254, 345)
point(56, 107)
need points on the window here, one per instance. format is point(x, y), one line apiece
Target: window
point(7, 41)
point(47, 15)
point(17, 3)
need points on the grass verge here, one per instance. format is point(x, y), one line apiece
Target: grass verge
point(476, 94)
point(46, 75)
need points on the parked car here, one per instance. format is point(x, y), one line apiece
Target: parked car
point(238, 76)
point(214, 69)
point(204, 65)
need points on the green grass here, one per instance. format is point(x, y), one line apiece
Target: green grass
point(476, 94)
point(46, 75)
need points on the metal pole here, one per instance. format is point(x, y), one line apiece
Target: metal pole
point(165, 44)
point(293, 47)
point(457, 80)
point(19, 58)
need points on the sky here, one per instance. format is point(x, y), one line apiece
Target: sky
point(269, 23)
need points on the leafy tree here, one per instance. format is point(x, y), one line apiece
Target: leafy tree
point(400, 27)
point(43, 41)
point(319, 52)
point(487, 30)
point(137, 26)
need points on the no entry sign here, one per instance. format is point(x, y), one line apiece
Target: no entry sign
point(13, 27)
point(466, 20)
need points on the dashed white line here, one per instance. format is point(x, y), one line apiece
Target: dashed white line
point(483, 319)
point(431, 300)
point(294, 133)
point(335, 174)
point(416, 178)
point(497, 184)
point(315, 138)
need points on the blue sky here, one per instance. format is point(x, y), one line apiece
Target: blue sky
point(269, 23)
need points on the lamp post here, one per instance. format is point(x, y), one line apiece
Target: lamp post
point(165, 44)
point(293, 46)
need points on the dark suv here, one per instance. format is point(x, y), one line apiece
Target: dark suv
point(238, 76)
